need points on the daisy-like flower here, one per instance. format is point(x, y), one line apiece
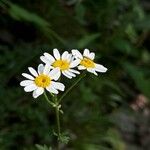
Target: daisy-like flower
point(64, 62)
point(87, 62)
point(42, 79)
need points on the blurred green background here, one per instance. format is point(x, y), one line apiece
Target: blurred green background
point(108, 112)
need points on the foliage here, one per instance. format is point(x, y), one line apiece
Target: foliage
point(117, 31)
point(42, 147)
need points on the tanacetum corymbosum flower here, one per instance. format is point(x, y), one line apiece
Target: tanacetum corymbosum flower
point(87, 62)
point(64, 62)
point(42, 79)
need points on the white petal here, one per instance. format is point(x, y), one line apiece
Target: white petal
point(65, 74)
point(64, 55)
point(95, 73)
point(92, 56)
point(50, 57)
point(38, 92)
point(30, 88)
point(52, 90)
point(26, 82)
point(56, 54)
point(100, 68)
point(33, 71)
point(86, 53)
point(44, 59)
point(81, 67)
point(74, 71)
point(75, 63)
point(40, 68)
point(92, 70)
point(58, 85)
point(69, 57)
point(28, 76)
point(77, 54)
point(55, 74)
point(69, 73)
point(47, 69)
point(34, 94)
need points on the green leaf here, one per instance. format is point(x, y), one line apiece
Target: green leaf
point(124, 46)
point(80, 13)
point(43, 147)
point(88, 39)
point(142, 83)
point(91, 146)
point(113, 137)
point(64, 138)
point(131, 32)
point(20, 13)
point(144, 23)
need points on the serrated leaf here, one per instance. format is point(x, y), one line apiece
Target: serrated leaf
point(64, 139)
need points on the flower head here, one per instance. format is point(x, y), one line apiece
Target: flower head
point(87, 61)
point(42, 79)
point(64, 62)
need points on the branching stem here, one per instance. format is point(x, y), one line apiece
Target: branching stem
point(71, 87)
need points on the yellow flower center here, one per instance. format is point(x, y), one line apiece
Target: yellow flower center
point(62, 64)
point(42, 81)
point(88, 63)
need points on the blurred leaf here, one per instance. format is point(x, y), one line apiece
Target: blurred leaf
point(124, 46)
point(144, 23)
point(94, 147)
point(114, 138)
point(114, 86)
point(64, 138)
point(20, 13)
point(139, 10)
point(80, 13)
point(130, 30)
point(146, 56)
point(88, 95)
point(88, 39)
point(140, 80)
point(40, 147)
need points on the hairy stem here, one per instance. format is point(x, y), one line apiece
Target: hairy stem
point(56, 105)
point(57, 120)
point(47, 99)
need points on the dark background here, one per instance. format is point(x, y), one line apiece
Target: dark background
point(108, 112)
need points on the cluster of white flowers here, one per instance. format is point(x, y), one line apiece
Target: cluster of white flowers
point(54, 66)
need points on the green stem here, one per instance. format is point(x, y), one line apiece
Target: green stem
point(57, 121)
point(72, 86)
point(56, 105)
point(47, 99)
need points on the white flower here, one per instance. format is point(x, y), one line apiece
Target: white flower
point(42, 79)
point(64, 62)
point(87, 62)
